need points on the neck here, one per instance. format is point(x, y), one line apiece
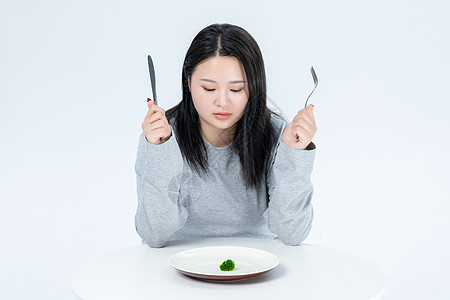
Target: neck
point(217, 137)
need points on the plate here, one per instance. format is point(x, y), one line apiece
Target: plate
point(205, 262)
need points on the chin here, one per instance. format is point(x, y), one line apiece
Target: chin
point(223, 124)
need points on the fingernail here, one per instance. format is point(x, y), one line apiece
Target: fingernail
point(148, 99)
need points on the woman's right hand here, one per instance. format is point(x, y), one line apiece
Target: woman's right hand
point(155, 126)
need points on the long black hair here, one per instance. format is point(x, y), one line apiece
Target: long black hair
point(255, 136)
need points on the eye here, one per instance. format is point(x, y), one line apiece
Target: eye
point(236, 91)
point(208, 90)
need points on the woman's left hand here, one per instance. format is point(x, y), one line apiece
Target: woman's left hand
point(300, 132)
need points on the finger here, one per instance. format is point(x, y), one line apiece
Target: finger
point(157, 124)
point(305, 117)
point(152, 106)
point(302, 136)
point(150, 103)
point(300, 141)
point(156, 108)
point(299, 131)
point(304, 124)
point(149, 119)
point(310, 111)
point(157, 135)
point(309, 108)
point(154, 139)
point(307, 130)
point(156, 116)
point(152, 109)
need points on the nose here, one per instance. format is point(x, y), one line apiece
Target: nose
point(222, 98)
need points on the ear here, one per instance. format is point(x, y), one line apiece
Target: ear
point(189, 84)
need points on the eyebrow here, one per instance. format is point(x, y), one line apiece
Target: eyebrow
point(234, 81)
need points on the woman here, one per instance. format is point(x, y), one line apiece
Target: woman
point(220, 163)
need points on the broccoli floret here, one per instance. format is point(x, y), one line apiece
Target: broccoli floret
point(227, 265)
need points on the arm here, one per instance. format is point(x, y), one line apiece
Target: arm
point(158, 174)
point(290, 191)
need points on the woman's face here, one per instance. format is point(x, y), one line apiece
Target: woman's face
point(220, 93)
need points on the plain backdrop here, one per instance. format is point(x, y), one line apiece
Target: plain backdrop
point(73, 88)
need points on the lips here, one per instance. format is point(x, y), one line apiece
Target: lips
point(222, 115)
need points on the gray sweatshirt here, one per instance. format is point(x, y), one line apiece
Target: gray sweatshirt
point(175, 203)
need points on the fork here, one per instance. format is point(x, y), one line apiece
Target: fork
point(316, 82)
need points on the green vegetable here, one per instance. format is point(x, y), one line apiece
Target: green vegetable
point(227, 265)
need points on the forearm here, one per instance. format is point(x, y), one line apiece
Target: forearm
point(290, 211)
point(158, 177)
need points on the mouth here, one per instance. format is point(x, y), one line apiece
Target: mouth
point(222, 115)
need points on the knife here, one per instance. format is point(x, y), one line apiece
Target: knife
point(151, 70)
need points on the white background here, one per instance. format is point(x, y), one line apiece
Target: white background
point(74, 83)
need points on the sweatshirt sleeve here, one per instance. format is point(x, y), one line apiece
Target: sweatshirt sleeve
point(159, 171)
point(290, 213)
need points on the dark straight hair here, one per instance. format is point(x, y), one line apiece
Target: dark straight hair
point(255, 136)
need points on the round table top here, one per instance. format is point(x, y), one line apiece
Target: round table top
point(304, 272)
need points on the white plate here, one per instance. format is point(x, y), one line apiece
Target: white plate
point(205, 262)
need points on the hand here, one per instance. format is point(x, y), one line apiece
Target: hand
point(155, 126)
point(300, 132)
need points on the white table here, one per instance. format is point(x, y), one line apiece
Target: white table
point(305, 272)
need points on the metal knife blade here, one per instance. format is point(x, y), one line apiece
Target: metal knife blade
point(151, 70)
